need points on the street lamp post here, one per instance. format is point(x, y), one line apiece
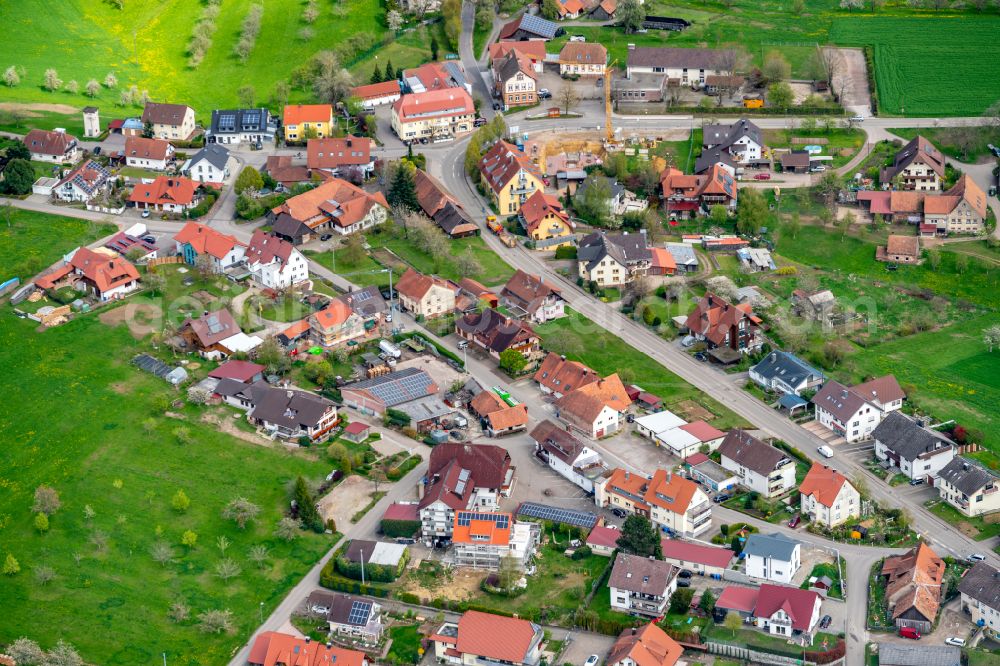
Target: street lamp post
point(261, 608)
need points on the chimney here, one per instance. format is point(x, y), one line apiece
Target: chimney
point(774, 356)
point(308, 640)
point(329, 645)
point(289, 393)
point(633, 631)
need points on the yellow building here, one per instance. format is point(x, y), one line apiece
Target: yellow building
point(509, 177)
point(306, 121)
point(546, 222)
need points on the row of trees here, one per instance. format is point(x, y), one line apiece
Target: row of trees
point(26, 652)
point(201, 35)
point(248, 32)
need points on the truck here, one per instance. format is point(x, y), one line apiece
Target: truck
point(753, 103)
point(497, 228)
point(390, 349)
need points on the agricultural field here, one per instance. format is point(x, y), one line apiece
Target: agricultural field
point(145, 44)
point(954, 72)
point(30, 241)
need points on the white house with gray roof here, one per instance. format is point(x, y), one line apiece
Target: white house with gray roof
point(854, 412)
point(641, 586)
point(689, 66)
point(208, 165)
point(917, 451)
point(969, 487)
point(612, 260)
point(773, 557)
point(742, 140)
point(980, 590)
point(760, 467)
point(785, 373)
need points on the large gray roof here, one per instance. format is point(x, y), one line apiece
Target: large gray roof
point(967, 475)
point(625, 248)
point(982, 583)
point(673, 58)
point(789, 368)
point(907, 438)
point(893, 654)
point(774, 546)
point(291, 409)
point(725, 136)
point(744, 449)
point(215, 154)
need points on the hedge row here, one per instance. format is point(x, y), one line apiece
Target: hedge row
point(400, 528)
point(329, 579)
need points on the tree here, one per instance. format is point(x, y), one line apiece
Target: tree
point(798, 6)
point(179, 612)
point(110, 80)
point(331, 82)
point(180, 501)
point(402, 189)
point(280, 94)
point(845, 224)
point(631, 14)
point(751, 211)
point(452, 12)
point(776, 67)
point(550, 9)
point(639, 537)
point(851, 5)
point(353, 250)
point(593, 204)
point(18, 151)
point(733, 622)
point(287, 529)
point(934, 258)
point(707, 601)
point(567, 97)
point(780, 95)
point(434, 48)
point(794, 224)
point(718, 214)
point(216, 622)
point(310, 13)
point(189, 539)
point(63, 654)
point(46, 500)
point(512, 361)
point(827, 188)
point(468, 264)
point(161, 552)
point(306, 503)
point(18, 177)
point(961, 263)
point(680, 601)
point(390, 73)
point(258, 555)
point(25, 652)
point(509, 574)
point(241, 511)
point(271, 356)
point(246, 95)
point(376, 76)
point(52, 80)
point(991, 337)
point(394, 20)
point(92, 88)
point(41, 523)
point(11, 566)
point(10, 77)
point(227, 568)
point(73, 87)
point(249, 179)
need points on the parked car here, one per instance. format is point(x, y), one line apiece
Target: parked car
point(721, 497)
point(909, 632)
point(917, 481)
point(762, 176)
point(326, 237)
point(825, 451)
point(955, 640)
point(145, 212)
point(701, 356)
point(496, 106)
point(617, 511)
point(543, 93)
point(685, 573)
point(592, 660)
point(479, 122)
point(825, 622)
point(683, 582)
point(794, 522)
point(819, 168)
point(97, 150)
point(857, 118)
point(406, 541)
point(976, 557)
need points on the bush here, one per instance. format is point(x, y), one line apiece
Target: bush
point(582, 552)
point(400, 528)
point(208, 200)
point(566, 252)
point(329, 579)
point(408, 598)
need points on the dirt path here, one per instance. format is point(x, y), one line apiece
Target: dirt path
point(141, 318)
point(850, 79)
point(347, 498)
point(35, 106)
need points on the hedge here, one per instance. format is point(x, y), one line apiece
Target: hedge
point(792, 451)
point(424, 339)
point(377, 573)
point(329, 579)
point(400, 528)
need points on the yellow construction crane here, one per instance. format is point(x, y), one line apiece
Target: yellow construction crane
point(609, 131)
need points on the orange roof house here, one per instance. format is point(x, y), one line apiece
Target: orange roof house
point(336, 205)
point(827, 497)
point(558, 376)
point(823, 483)
point(276, 649)
point(300, 119)
point(335, 154)
point(170, 193)
point(487, 532)
point(489, 637)
point(595, 408)
point(107, 276)
point(648, 646)
point(913, 586)
point(336, 324)
point(534, 51)
point(721, 324)
point(203, 239)
point(497, 416)
point(543, 218)
point(663, 262)
point(375, 94)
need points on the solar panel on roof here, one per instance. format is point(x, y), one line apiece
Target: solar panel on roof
point(463, 480)
point(360, 610)
point(558, 515)
point(465, 518)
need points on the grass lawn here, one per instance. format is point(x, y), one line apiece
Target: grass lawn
point(493, 270)
point(829, 570)
point(136, 172)
point(78, 423)
point(33, 241)
point(361, 272)
point(946, 511)
point(842, 144)
point(405, 646)
point(681, 154)
point(945, 139)
point(981, 658)
point(410, 49)
point(145, 44)
point(584, 341)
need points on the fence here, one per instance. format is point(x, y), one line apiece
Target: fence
point(106, 209)
point(734, 576)
point(153, 263)
point(761, 657)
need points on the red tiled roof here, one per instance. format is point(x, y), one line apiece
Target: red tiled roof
point(105, 272)
point(662, 259)
point(307, 113)
point(335, 200)
point(45, 142)
point(562, 376)
point(534, 50)
point(242, 371)
point(884, 389)
point(703, 431)
point(147, 149)
point(296, 329)
point(742, 599)
point(603, 536)
point(265, 248)
point(165, 190)
point(206, 240)
point(161, 113)
point(686, 551)
point(485, 532)
point(495, 637)
point(824, 483)
point(502, 163)
point(696, 459)
point(713, 317)
point(399, 511)
point(587, 401)
point(376, 90)
point(540, 207)
point(649, 646)
point(487, 463)
point(275, 649)
point(334, 153)
point(433, 104)
point(797, 604)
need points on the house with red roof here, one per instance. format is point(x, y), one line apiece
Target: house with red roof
point(56, 146)
point(241, 371)
point(557, 376)
point(495, 333)
point(687, 196)
point(603, 540)
point(704, 560)
point(913, 587)
point(145, 153)
point(534, 51)
point(498, 416)
point(787, 611)
point(509, 176)
point(337, 156)
point(439, 115)
point(674, 504)
point(596, 409)
point(482, 540)
point(827, 497)
point(718, 323)
point(377, 94)
point(357, 432)
point(462, 476)
point(272, 648)
point(102, 273)
point(274, 263)
point(170, 194)
point(336, 324)
point(480, 637)
point(856, 412)
point(546, 222)
point(645, 646)
point(87, 180)
point(195, 240)
point(302, 121)
point(335, 205)
point(426, 295)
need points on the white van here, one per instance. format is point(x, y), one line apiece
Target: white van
point(825, 451)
